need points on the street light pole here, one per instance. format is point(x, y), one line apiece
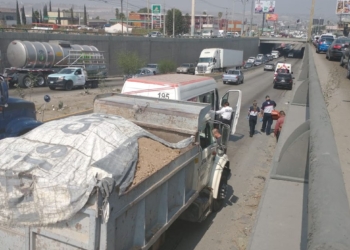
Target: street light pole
point(192, 18)
point(173, 22)
point(233, 12)
point(243, 18)
point(312, 11)
point(251, 18)
point(121, 1)
point(164, 17)
point(147, 23)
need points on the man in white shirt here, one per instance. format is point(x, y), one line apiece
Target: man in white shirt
point(226, 113)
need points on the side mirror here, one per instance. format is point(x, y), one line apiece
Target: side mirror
point(293, 77)
point(4, 95)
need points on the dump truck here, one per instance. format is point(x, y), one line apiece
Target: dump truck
point(32, 62)
point(87, 182)
point(17, 116)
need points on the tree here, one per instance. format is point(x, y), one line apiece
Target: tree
point(72, 15)
point(129, 62)
point(117, 13)
point(122, 16)
point(24, 19)
point(97, 18)
point(17, 14)
point(50, 9)
point(33, 16)
point(179, 22)
point(144, 10)
point(85, 15)
point(58, 16)
point(204, 13)
point(45, 13)
point(186, 23)
point(220, 15)
point(166, 66)
point(40, 17)
point(36, 15)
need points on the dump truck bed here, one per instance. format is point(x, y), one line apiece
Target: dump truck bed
point(136, 218)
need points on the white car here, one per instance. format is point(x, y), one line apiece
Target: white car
point(251, 60)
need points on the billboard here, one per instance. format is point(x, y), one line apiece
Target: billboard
point(342, 7)
point(265, 6)
point(271, 17)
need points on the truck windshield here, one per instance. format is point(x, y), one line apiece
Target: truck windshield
point(151, 66)
point(205, 59)
point(66, 71)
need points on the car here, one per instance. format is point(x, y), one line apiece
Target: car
point(248, 65)
point(233, 76)
point(258, 62)
point(154, 67)
point(315, 41)
point(143, 72)
point(251, 59)
point(283, 80)
point(155, 34)
point(186, 68)
point(336, 49)
point(323, 44)
point(259, 56)
point(269, 66)
point(269, 57)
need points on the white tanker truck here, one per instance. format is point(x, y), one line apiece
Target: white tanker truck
point(32, 62)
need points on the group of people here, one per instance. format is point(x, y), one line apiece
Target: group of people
point(265, 114)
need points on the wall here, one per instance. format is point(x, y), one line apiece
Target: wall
point(151, 49)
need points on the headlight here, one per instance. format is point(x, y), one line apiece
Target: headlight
point(61, 78)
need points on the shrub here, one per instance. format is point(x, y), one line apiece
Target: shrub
point(166, 66)
point(129, 62)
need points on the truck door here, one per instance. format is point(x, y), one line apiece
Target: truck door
point(80, 77)
point(234, 98)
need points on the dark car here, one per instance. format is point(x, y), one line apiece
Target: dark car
point(336, 49)
point(248, 65)
point(283, 80)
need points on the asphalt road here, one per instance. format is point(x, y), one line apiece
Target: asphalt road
point(218, 231)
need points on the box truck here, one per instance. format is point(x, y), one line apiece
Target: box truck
point(216, 59)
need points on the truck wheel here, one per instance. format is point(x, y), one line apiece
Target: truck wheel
point(348, 74)
point(219, 202)
point(24, 81)
point(40, 81)
point(69, 85)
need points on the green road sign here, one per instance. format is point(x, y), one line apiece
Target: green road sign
point(156, 8)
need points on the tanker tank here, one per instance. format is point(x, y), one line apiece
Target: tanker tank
point(25, 54)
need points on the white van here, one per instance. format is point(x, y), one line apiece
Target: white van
point(275, 54)
point(284, 68)
point(184, 88)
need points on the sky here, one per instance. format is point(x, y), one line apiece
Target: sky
point(323, 8)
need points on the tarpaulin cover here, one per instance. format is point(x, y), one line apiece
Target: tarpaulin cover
point(48, 174)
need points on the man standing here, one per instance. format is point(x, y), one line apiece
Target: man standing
point(266, 110)
point(226, 113)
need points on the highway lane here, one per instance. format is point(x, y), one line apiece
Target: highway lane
point(250, 160)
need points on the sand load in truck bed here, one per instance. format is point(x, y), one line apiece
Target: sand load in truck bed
point(48, 174)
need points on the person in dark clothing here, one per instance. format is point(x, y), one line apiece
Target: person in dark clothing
point(267, 107)
point(253, 117)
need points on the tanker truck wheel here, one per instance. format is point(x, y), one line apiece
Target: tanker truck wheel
point(40, 81)
point(69, 85)
point(219, 202)
point(24, 81)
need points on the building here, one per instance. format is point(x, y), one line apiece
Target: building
point(119, 28)
point(8, 17)
point(65, 15)
point(96, 23)
point(140, 20)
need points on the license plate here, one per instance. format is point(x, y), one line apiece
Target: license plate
point(51, 81)
point(282, 80)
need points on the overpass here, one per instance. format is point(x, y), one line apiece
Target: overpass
point(272, 40)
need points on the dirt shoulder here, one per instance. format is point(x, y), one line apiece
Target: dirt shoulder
point(336, 89)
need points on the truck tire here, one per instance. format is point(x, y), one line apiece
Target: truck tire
point(219, 202)
point(40, 80)
point(24, 81)
point(69, 85)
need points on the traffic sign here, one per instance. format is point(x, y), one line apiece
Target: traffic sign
point(156, 9)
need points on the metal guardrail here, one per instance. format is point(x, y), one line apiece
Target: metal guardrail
point(328, 206)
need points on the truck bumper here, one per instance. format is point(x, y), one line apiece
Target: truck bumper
point(57, 83)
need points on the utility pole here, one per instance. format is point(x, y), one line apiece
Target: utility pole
point(173, 22)
point(243, 18)
point(192, 18)
point(121, 7)
point(226, 21)
point(233, 13)
point(164, 18)
point(147, 23)
point(312, 11)
point(251, 18)
point(127, 17)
